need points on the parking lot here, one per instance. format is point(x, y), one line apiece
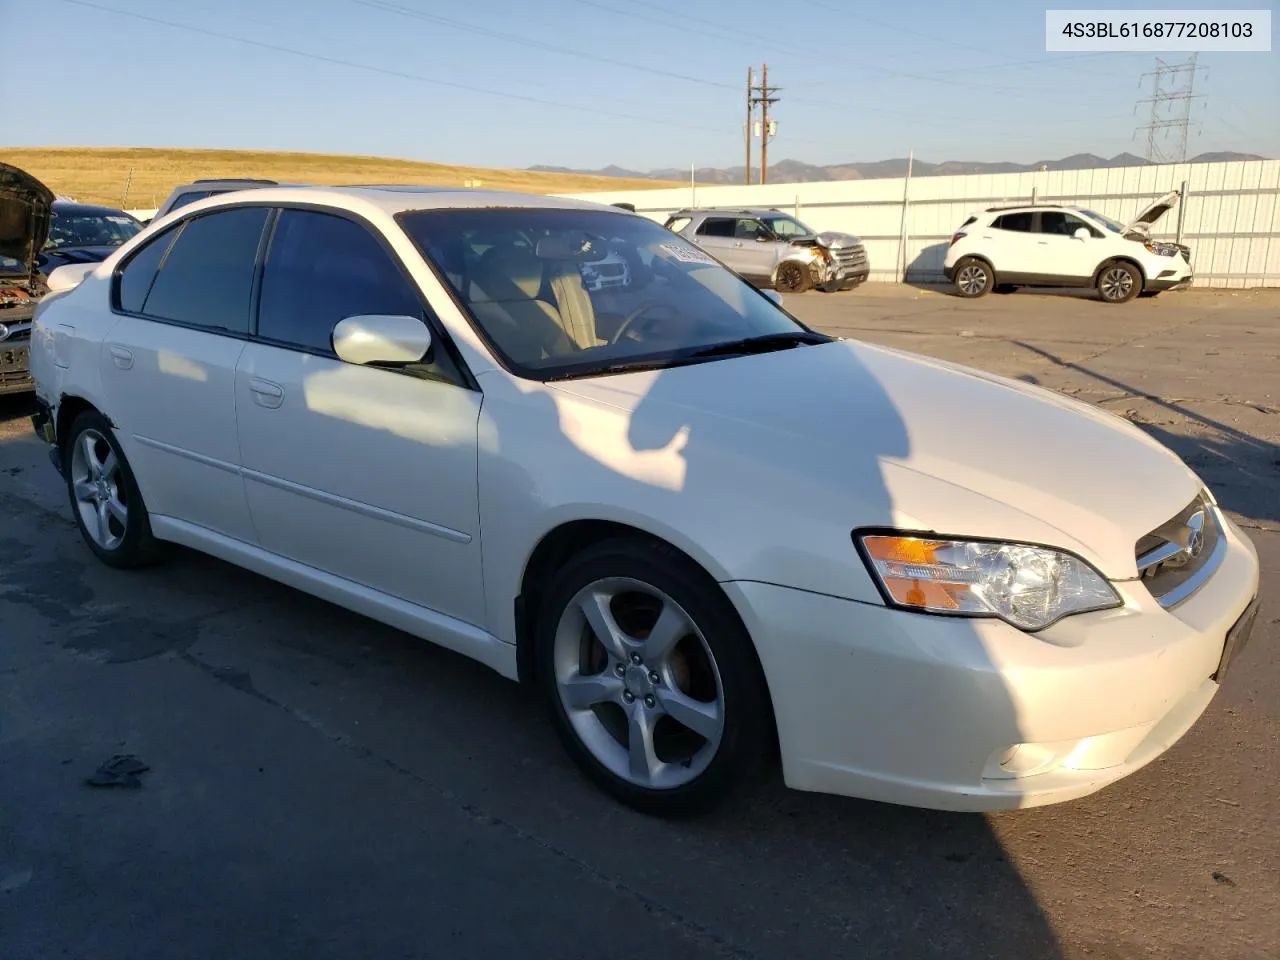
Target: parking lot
point(322, 786)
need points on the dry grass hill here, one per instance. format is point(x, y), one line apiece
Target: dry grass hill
point(100, 175)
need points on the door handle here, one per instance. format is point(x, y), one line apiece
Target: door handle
point(737, 243)
point(1043, 243)
point(266, 393)
point(122, 357)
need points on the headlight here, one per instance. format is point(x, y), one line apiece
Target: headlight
point(1029, 587)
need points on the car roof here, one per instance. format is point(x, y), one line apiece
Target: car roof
point(1030, 207)
point(74, 206)
point(724, 212)
point(392, 199)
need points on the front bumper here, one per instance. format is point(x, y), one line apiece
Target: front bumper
point(1169, 275)
point(15, 362)
point(925, 711)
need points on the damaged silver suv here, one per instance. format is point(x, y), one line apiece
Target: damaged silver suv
point(771, 249)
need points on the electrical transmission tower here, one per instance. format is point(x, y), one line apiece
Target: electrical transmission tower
point(1171, 96)
point(763, 96)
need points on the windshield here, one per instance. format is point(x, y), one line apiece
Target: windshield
point(576, 292)
point(1106, 222)
point(787, 227)
point(90, 229)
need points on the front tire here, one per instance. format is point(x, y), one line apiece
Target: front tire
point(651, 679)
point(1119, 282)
point(104, 496)
point(792, 278)
point(973, 278)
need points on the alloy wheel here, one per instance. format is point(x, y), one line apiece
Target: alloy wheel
point(99, 489)
point(638, 683)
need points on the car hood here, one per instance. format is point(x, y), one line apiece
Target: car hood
point(832, 239)
point(24, 217)
point(1143, 222)
point(956, 451)
point(51, 258)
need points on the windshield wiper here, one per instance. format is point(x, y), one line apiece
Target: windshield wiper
point(762, 344)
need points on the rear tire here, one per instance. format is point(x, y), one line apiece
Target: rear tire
point(667, 726)
point(104, 496)
point(973, 278)
point(1119, 282)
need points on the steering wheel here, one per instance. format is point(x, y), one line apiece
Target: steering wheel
point(625, 327)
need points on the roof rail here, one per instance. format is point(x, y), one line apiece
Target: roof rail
point(233, 180)
point(1025, 206)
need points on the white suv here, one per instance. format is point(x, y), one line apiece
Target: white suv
point(1047, 245)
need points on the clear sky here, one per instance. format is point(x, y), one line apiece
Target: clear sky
point(584, 83)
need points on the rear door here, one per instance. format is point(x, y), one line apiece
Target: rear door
point(168, 365)
point(1014, 246)
point(716, 236)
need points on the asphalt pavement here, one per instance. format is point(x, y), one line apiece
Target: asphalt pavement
point(324, 787)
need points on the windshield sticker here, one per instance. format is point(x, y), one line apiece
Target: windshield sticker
point(119, 220)
point(686, 254)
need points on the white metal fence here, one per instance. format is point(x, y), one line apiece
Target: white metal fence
point(1229, 215)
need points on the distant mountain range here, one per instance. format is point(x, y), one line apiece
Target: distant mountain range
point(794, 171)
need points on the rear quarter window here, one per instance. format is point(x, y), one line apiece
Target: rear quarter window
point(135, 277)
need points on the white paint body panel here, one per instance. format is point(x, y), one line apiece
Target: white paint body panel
point(419, 503)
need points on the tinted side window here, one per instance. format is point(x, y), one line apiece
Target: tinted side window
point(1063, 224)
point(1020, 222)
point(321, 269)
point(207, 278)
point(716, 227)
point(137, 274)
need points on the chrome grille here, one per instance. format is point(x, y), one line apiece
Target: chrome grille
point(850, 256)
point(1176, 558)
point(14, 331)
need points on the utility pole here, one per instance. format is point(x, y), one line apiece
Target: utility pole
point(1170, 108)
point(765, 96)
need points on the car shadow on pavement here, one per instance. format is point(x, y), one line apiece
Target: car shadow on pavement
point(789, 873)
point(1241, 469)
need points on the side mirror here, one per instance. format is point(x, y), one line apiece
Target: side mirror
point(380, 338)
point(1082, 233)
point(68, 276)
point(774, 295)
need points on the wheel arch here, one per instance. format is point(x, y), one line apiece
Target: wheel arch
point(1120, 258)
point(555, 547)
point(70, 406)
point(573, 536)
point(982, 257)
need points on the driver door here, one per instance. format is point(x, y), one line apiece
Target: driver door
point(1059, 254)
point(365, 473)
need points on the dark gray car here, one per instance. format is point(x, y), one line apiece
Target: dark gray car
point(773, 249)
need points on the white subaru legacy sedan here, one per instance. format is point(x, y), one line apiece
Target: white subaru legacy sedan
point(705, 531)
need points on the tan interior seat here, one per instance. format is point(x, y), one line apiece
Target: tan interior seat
point(517, 311)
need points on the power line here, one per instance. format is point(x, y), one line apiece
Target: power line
point(404, 11)
point(385, 71)
point(683, 18)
